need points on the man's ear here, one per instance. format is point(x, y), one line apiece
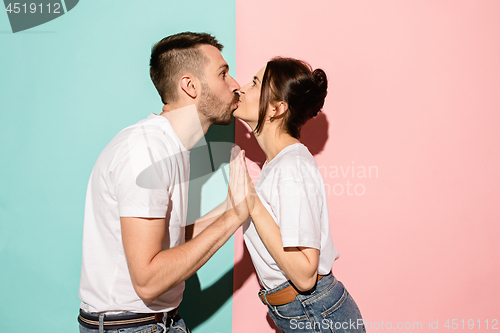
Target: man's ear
point(189, 85)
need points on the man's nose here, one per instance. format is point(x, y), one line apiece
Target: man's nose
point(234, 86)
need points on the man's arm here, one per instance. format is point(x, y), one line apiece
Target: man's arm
point(154, 271)
point(193, 229)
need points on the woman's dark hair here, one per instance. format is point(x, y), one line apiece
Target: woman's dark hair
point(294, 82)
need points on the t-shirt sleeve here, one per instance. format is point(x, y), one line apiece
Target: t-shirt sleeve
point(140, 181)
point(299, 214)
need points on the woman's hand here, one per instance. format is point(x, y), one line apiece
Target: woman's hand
point(237, 189)
point(253, 200)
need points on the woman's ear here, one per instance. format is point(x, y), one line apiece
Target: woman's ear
point(189, 86)
point(278, 110)
point(281, 108)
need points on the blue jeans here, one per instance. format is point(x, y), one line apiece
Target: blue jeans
point(172, 327)
point(329, 308)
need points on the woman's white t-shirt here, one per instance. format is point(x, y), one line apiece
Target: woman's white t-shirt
point(292, 190)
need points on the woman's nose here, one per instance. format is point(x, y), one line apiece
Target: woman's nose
point(244, 88)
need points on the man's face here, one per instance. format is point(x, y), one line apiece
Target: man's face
point(218, 89)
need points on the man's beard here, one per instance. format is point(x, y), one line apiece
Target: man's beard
point(214, 108)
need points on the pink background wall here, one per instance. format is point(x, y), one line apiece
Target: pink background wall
point(414, 93)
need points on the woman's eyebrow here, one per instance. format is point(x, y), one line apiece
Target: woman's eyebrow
point(256, 78)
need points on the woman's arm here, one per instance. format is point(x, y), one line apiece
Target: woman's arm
point(300, 264)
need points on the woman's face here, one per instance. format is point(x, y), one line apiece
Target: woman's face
point(248, 109)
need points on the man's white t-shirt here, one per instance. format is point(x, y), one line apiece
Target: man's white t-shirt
point(292, 190)
point(142, 172)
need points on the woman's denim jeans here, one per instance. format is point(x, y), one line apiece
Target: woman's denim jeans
point(172, 327)
point(329, 308)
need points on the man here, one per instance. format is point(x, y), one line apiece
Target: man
point(135, 258)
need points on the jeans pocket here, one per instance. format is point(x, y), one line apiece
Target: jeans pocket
point(178, 327)
point(292, 324)
point(344, 316)
point(292, 310)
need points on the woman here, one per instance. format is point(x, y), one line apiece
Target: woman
point(289, 239)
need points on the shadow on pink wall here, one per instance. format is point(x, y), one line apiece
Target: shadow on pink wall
point(314, 135)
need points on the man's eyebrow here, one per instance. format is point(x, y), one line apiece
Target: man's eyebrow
point(225, 66)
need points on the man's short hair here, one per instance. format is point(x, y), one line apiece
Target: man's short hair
point(176, 55)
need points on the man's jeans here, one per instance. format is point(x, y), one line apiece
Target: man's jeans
point(172, 327)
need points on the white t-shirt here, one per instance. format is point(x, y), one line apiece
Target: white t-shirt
point(292, 190)
point(142, 172)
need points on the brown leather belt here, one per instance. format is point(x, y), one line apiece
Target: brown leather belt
point(282, 296)
point(114, 322)
point(170, 314)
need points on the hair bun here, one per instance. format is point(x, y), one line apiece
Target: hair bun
point(320, 79)
point(319, 93)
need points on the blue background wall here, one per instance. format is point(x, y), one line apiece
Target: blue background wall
point(66, 88)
